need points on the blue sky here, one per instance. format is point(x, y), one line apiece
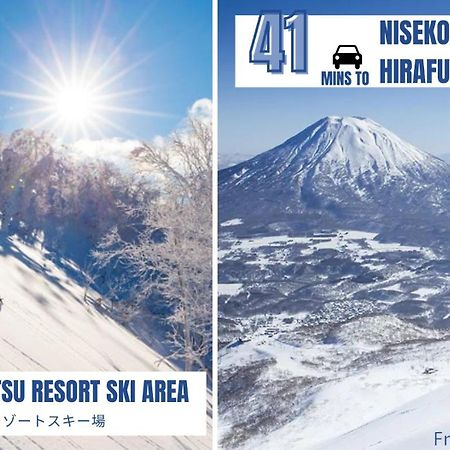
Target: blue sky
point(173, 42)
point(254, 120)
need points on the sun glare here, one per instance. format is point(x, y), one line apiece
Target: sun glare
point(74, 105)
point(77, 99)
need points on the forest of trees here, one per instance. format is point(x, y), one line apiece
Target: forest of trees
point(42, 190)
point(137, 236)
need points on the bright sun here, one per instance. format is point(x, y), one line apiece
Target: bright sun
point(74, 105)
point(76, 98)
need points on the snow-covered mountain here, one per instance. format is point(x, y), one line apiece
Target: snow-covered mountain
point(47, 325)
point(334, 283)
point(335, 165)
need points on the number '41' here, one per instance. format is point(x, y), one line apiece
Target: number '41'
point(267, 43)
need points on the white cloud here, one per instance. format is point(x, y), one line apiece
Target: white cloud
point(201, 109)
point(113, 150)
point(117, 151)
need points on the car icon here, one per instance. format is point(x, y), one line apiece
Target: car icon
point(347, 54)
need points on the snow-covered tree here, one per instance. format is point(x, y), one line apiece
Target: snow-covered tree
point(41, 189)
point(171, 253)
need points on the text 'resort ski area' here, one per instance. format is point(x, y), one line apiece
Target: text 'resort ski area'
point(49, 391)
point(415, 32)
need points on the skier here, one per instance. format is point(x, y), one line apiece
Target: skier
point(1, 303)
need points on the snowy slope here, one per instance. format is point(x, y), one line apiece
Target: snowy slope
point(412, 426)
point(46, 325)
point(385, 406)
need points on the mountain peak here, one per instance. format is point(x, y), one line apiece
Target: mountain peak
point(347, 120)
point(342, 119)
point(352, 158)
point(355, 145)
